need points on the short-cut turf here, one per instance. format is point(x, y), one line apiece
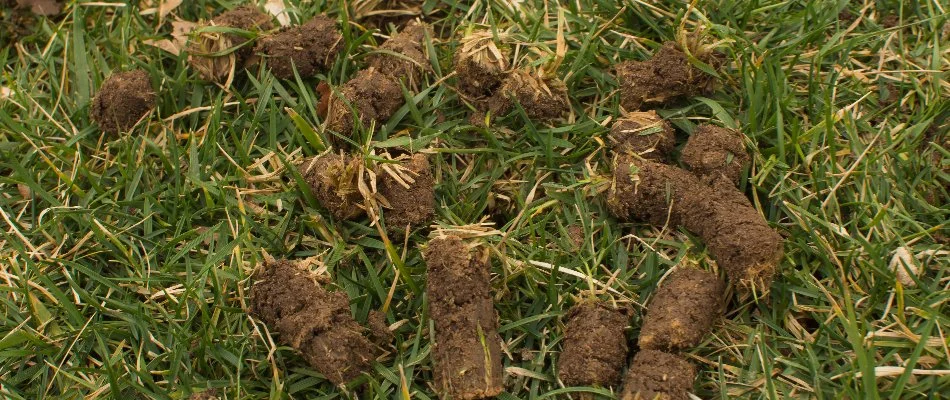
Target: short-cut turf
point(125, 261)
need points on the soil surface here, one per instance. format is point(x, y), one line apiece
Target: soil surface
point(682, 311)
point(595, 346)
point(644, 134)
point(412, 206)
point(334, 182)
point(736, 235)
point(315, 322)
point(312, 47)
point(378, 330)
point(409, 61)
point(479, 74)
point(466, 352)
point(375, 97)
point(655, 375)
point(202, 47)
point(396, 12)
point(714, 152)
point(543, 99)
point(123, 99)
point(665, 77)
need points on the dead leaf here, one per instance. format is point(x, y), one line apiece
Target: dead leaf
point(278, 9)
point(5, 92)
point(45, 8)
point(905, 266)
point(179, 37)
point(164, 8)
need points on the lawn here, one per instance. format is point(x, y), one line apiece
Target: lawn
point(126, 260)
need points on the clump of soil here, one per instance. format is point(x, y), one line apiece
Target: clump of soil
point(655, 375)
point(480, 66)
point(378, 330)
point(311, 48)
point(379, 13)
point(123, 99)
point(333, 179)
point(714, 152)
point(466, 352)
point(46, 8)
point(736, 235)
point(315, 322)
point(595, 346)
point(408, 192)
point(403, 56)
point(374, 95)
point(205, 48)
point(644, 134)
point(541, 98)
point(682, 311)
point(665, 77)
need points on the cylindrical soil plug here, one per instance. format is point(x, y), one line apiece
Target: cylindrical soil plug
point(682, 310)
point(595, 347)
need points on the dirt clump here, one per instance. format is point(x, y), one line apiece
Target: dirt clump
point(312, 48)
point(595, 346)
point(541, 98)
point(655, 375)
point(738, 238)
point(665, 77)
point(713, 152)
point(205, 48)
point(333, 179)
point(466, 352)
point(480, 66)
point(123, 99)
point(408, 191)
point(682, 311)
point(315, 322)
point(380, 13)
point(46, 8)
point(373, 95)
point(403, 56)
point(644, 134)
point(378, 330)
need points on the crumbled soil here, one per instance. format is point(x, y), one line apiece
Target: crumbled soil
point(315, 322)
point(738, 238)
point(665, 77)
point(334, 181)
point(890, 20)
point(413, 205)
point(15, 23)
point(714, 152)
point(201, 49)
point(411, 61)
point(466, 352)
point(312, 48)
point(542, 99)
point(396, 12)
point(123, 99)
point(595, 346)
point(644, 134)
point(375, 97)
point(478, 74)
point(682, 310)
point(655, 375)
point(378, 330)
point(210, 394)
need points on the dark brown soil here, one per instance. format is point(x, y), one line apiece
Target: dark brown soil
point(644, 134)
point(736, 235)
point(595, 346)
point(312, 48)
point(409, 61)
point(713, 152)
point(375, 97)
point(203, 47)
point(479, 74)
point(334, 182)
point(543, 99)
point(412, 206)
point(378, 330)
point(655, 375)
point(466, 352)
point(682, 311)
point(123, 99)
point(15, 23)
point(665, 77)
point(315, 322)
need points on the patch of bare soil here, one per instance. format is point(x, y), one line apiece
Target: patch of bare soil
point(655, 375)
point(542, 98)
point(665, 77)
point(315, 322)
point(644, 134)
point(312, 48)
point(408, 192)
point(466, 352)
point(403, 56)
point(480, 66)
point(682, 311)
point(595, 346)
point(123, 99)
point(714, 153)
point(374, 96)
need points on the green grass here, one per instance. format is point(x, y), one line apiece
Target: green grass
point(125, 261)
